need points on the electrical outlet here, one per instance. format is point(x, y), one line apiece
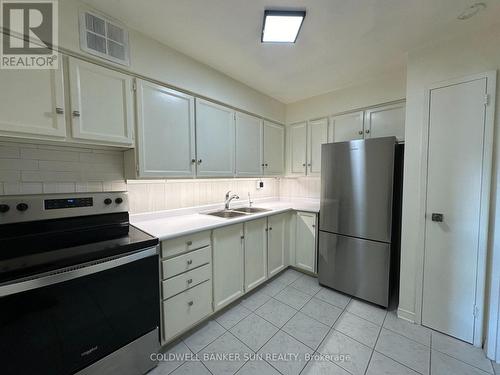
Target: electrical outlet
point(260, 185)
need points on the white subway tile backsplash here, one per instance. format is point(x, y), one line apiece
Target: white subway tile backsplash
point(42, 154)
point(9, 152)
point(33, 169)
point(18, 165)
point(59, 166)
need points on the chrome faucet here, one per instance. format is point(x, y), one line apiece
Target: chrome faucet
point(229, 198)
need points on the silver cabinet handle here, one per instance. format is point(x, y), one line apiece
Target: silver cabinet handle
point(76, 113)
point(199, 161)
point(190, 281)
point(59, 110)
point(262, 165)
point(190, 303)
point(303, 164)
point(271, 228)
point(189, 243)
point(193, 161)
point(267, 229)
point(189, 262)
point(367, 131)
point(266, 165)
point(360, 132)
point(309, 164)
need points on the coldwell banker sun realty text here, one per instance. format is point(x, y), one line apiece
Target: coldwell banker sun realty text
point(29, 34)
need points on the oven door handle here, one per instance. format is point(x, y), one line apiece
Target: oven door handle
point(71, 273)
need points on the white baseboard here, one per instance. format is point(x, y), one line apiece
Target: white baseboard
point(406, 315)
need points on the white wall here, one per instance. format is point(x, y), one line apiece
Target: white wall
point(157, 61)
point(454, 58)
point(383, 89)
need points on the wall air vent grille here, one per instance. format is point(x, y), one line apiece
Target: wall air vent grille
point(104, 38)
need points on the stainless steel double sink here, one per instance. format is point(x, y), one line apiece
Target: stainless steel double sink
point(237, 212)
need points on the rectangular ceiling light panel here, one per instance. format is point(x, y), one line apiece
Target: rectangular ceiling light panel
point(281, 26)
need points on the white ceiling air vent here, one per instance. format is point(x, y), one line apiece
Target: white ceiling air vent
point(104, 38)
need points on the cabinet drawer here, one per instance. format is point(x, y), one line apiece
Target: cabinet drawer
point(180, 245)
point(185, 309)
point(182, 263)
point(181, 282)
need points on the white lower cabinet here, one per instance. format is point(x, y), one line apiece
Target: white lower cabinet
point(228, 258)
point(305, 241)
point(185, 309)
point(276, 243)
point(186, 283)
point(255, 253)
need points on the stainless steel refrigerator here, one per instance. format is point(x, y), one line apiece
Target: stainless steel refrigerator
point(359, 218)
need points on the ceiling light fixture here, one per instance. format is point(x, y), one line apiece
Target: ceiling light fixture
point(281, 26)
point(471, 11)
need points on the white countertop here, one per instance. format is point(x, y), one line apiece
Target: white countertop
point(174, 223)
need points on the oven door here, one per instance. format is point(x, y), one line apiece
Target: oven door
point(64, 322)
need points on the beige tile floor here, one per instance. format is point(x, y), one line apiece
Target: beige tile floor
point(293, 314)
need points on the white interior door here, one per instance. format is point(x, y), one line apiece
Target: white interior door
point(165, 131)
point(248, 145)
point(214, 139)
point(454, 190)
point(317, 135)
point(298, 142)
point(346, 127)
point(101, 103)
point(274, 148)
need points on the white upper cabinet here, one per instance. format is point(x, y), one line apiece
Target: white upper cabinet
point(101, 104)
point(317, 135)
point(32, 103)
point(346, 127)
point(297, 145)
point(215, 139)
point(165, 132)
point(274, 148)
point(385, 122)
point(249, 137)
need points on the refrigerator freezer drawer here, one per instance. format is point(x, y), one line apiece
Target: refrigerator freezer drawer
point(355, 266)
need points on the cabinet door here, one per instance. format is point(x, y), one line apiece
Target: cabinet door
point(32, 102)
point(317, 135)
point(228, 264)
point(385, 122)
point(165, 132)
point(305, 241)
point(214, 139)
point(346, 127)
point(297, 154)
point(276, 243)
point(274, 149)
point(248, 145)
point(101, 103)
point(255, 253)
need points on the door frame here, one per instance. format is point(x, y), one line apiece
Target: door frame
point(484, 205)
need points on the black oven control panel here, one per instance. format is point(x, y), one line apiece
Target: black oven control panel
point(54, 204)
